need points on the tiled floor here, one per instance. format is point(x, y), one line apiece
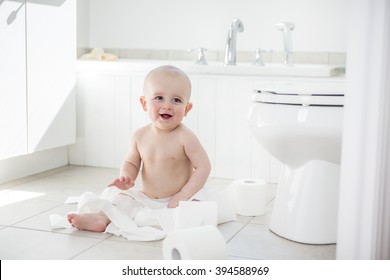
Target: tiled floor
point(25, 233)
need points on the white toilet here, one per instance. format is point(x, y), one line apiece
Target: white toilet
point(301, 125)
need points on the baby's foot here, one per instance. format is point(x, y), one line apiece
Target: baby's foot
point(90, 221)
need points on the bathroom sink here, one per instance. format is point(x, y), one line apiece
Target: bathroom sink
point(298, 70)
point(217, 68)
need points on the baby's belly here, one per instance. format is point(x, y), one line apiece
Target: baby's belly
point(164, 182)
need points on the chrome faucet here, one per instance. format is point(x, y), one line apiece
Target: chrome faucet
point(230, 49)
point(286, 28)
point(201, 59)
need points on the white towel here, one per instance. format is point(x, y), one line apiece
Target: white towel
point(99, 54)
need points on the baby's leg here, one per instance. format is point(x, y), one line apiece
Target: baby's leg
point(89, 221)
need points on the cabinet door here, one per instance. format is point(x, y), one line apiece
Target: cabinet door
point(13, 127)
point(235, 154)
point(108, 112)
point(201, 119)
point(51, 73)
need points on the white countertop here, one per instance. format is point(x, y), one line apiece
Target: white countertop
point(216, 68)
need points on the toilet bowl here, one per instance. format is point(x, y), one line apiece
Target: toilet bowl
point(302, 129)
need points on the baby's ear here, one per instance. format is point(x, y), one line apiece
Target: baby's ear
point(142, 99)
point(188, 108)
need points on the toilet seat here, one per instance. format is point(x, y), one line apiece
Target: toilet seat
point(329, 99)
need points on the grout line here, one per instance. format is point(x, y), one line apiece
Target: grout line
point(78, 254)
point(14, 225)
point(54, 232)
point(245, 224)
point(83, 251)
point(243, 258)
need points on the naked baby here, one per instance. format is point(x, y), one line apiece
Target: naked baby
point(173, 164)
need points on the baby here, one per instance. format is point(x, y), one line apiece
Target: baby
point(172, 161)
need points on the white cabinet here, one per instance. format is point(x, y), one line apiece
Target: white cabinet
point(51, 73)
point(13, 110)
point(219, 118)
point(38, 76)
point(108, 111)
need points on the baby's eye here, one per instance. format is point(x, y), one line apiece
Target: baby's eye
point(158, 98)
point(177, 100)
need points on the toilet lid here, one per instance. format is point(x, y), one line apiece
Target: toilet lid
point(333, 99)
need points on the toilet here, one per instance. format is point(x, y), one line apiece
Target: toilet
point(300, 125)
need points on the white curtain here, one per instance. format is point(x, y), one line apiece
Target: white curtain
point(364, 209)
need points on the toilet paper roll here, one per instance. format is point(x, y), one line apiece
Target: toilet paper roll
point(198, 243)
point(225, 199)
point(250, 197)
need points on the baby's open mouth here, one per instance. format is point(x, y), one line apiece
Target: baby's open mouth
point(165, 116)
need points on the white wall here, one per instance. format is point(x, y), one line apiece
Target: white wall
point(181, 24)
point(83, 23)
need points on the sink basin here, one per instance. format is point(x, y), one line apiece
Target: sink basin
point(298, 70)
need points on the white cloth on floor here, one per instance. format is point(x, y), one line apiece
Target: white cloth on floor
point(137, 217)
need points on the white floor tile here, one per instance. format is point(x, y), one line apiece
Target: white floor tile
point(230, 229)
point(17, 182)
point(19, 211)
point(257, 242)
point(25, 232)
point(24, 244)
point(72, 182)
point(42, 222)
point(113, 250)
point(263, 219)
point(217, 183)
point(154, 243)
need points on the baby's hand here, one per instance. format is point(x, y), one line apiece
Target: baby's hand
point(122, 183)
point(176, 198)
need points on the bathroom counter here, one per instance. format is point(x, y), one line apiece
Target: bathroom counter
point(216, 68)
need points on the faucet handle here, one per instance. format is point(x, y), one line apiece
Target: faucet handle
point(285, 25)
point(201, 59)
point(258, 59)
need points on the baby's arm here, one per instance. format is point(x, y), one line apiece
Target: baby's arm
point(130, 167)
point(201, 164)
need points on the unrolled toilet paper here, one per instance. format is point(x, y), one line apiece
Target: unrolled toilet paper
point(197, 243)
point(250, 196)
point(188, 214)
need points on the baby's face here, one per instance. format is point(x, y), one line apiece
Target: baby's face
point(166, 98)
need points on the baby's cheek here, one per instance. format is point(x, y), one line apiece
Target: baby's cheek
point(180, 111)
